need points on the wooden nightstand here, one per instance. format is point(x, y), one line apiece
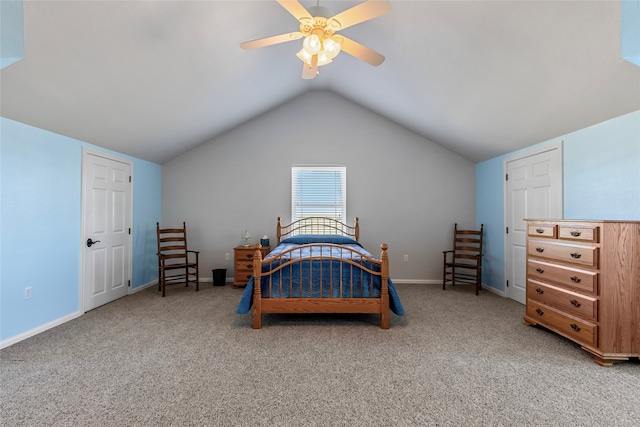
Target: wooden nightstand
point(243, 263)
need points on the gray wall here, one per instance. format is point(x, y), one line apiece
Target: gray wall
point(406, 190)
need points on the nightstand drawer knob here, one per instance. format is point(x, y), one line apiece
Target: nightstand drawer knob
point(540, 312)
point(540, 270)
point(539, 291)
point(576, 279)
point(575, 327)
point(576, 255)
point(575, 303)
point(576, 233)
point(540, 249)
point(539, 230)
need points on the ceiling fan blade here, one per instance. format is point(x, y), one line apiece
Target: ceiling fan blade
point(359, 13)
point(361, 52)
point(310, 71)
point(296, 9)
point(267, 41)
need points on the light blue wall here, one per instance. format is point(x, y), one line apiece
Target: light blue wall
point(630, 31)
point(601, 181)
point(11, 32)
point(40, 225)
point(602, 170)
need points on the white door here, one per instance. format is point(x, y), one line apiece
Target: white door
point(533, 190)
point(106, 237)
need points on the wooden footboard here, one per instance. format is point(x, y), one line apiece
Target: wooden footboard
point(332, 294)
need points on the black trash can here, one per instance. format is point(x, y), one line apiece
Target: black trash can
point(219, 276)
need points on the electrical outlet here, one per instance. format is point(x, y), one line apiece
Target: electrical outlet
point(406, 258)
point(27, 293)
point(227, 257)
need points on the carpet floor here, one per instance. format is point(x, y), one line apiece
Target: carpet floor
point(455, 359)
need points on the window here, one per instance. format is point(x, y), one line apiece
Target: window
point(318, 191)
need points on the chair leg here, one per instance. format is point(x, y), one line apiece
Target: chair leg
point(197, 274)
point(444, 271)
point(164, 283)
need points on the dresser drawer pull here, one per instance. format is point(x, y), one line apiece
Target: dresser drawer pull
point(248, 276)
point(539, 230)
point(575, 233)
point(540, 270)
point(576, 279)
point(539, 291)
point(576, 255)
point(249, 265)
point(249, 255)
point(575, 327)
point(540, 312)
point(540, 249)
point(575, 303)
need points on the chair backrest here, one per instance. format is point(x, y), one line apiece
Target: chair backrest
point(172, 244)
point(467, 245)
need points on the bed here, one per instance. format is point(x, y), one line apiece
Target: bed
point(318, 266)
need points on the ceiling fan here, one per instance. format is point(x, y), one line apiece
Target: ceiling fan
point(318, 26)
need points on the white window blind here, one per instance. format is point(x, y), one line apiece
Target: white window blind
point(318, 191)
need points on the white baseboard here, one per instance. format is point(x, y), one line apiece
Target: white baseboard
point(143, 287)
point(61, 320)
point(417, 281)
point(39, 329)
point(439, 282)
point(210, 280)
point(494, 290)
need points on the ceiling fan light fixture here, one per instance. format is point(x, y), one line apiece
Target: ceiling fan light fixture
point(304, 56)
point(323, 58)
point(312, 44)
point(331, 48)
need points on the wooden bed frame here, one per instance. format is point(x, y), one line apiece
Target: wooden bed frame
point(318, 225)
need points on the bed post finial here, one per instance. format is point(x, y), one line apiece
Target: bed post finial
point(357, 229)
point(384, 257)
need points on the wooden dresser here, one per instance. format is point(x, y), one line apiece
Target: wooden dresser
point(243, 263)
point(583, 282)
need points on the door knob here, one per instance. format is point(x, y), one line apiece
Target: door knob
point(91, 242)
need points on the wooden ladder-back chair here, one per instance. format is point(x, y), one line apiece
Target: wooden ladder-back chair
point(175, 264)
point(463, 264)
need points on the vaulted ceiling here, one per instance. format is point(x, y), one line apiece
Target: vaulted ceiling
point(153, 79)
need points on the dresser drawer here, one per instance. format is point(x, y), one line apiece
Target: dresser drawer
point(576, 254)
point(583, 280)
point(578, 330)
point(244, 266)
point(569, 302)
point(242, 276)
point(245, 255)
point(542, 230)
point(585, 233)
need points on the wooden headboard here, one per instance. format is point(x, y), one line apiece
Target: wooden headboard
point(318, 225)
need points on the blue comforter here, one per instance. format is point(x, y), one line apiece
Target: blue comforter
point(321, 272)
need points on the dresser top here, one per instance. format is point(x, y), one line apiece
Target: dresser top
point(584, 220)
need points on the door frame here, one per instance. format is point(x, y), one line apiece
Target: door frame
point(83, 209)
point(559, 147)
